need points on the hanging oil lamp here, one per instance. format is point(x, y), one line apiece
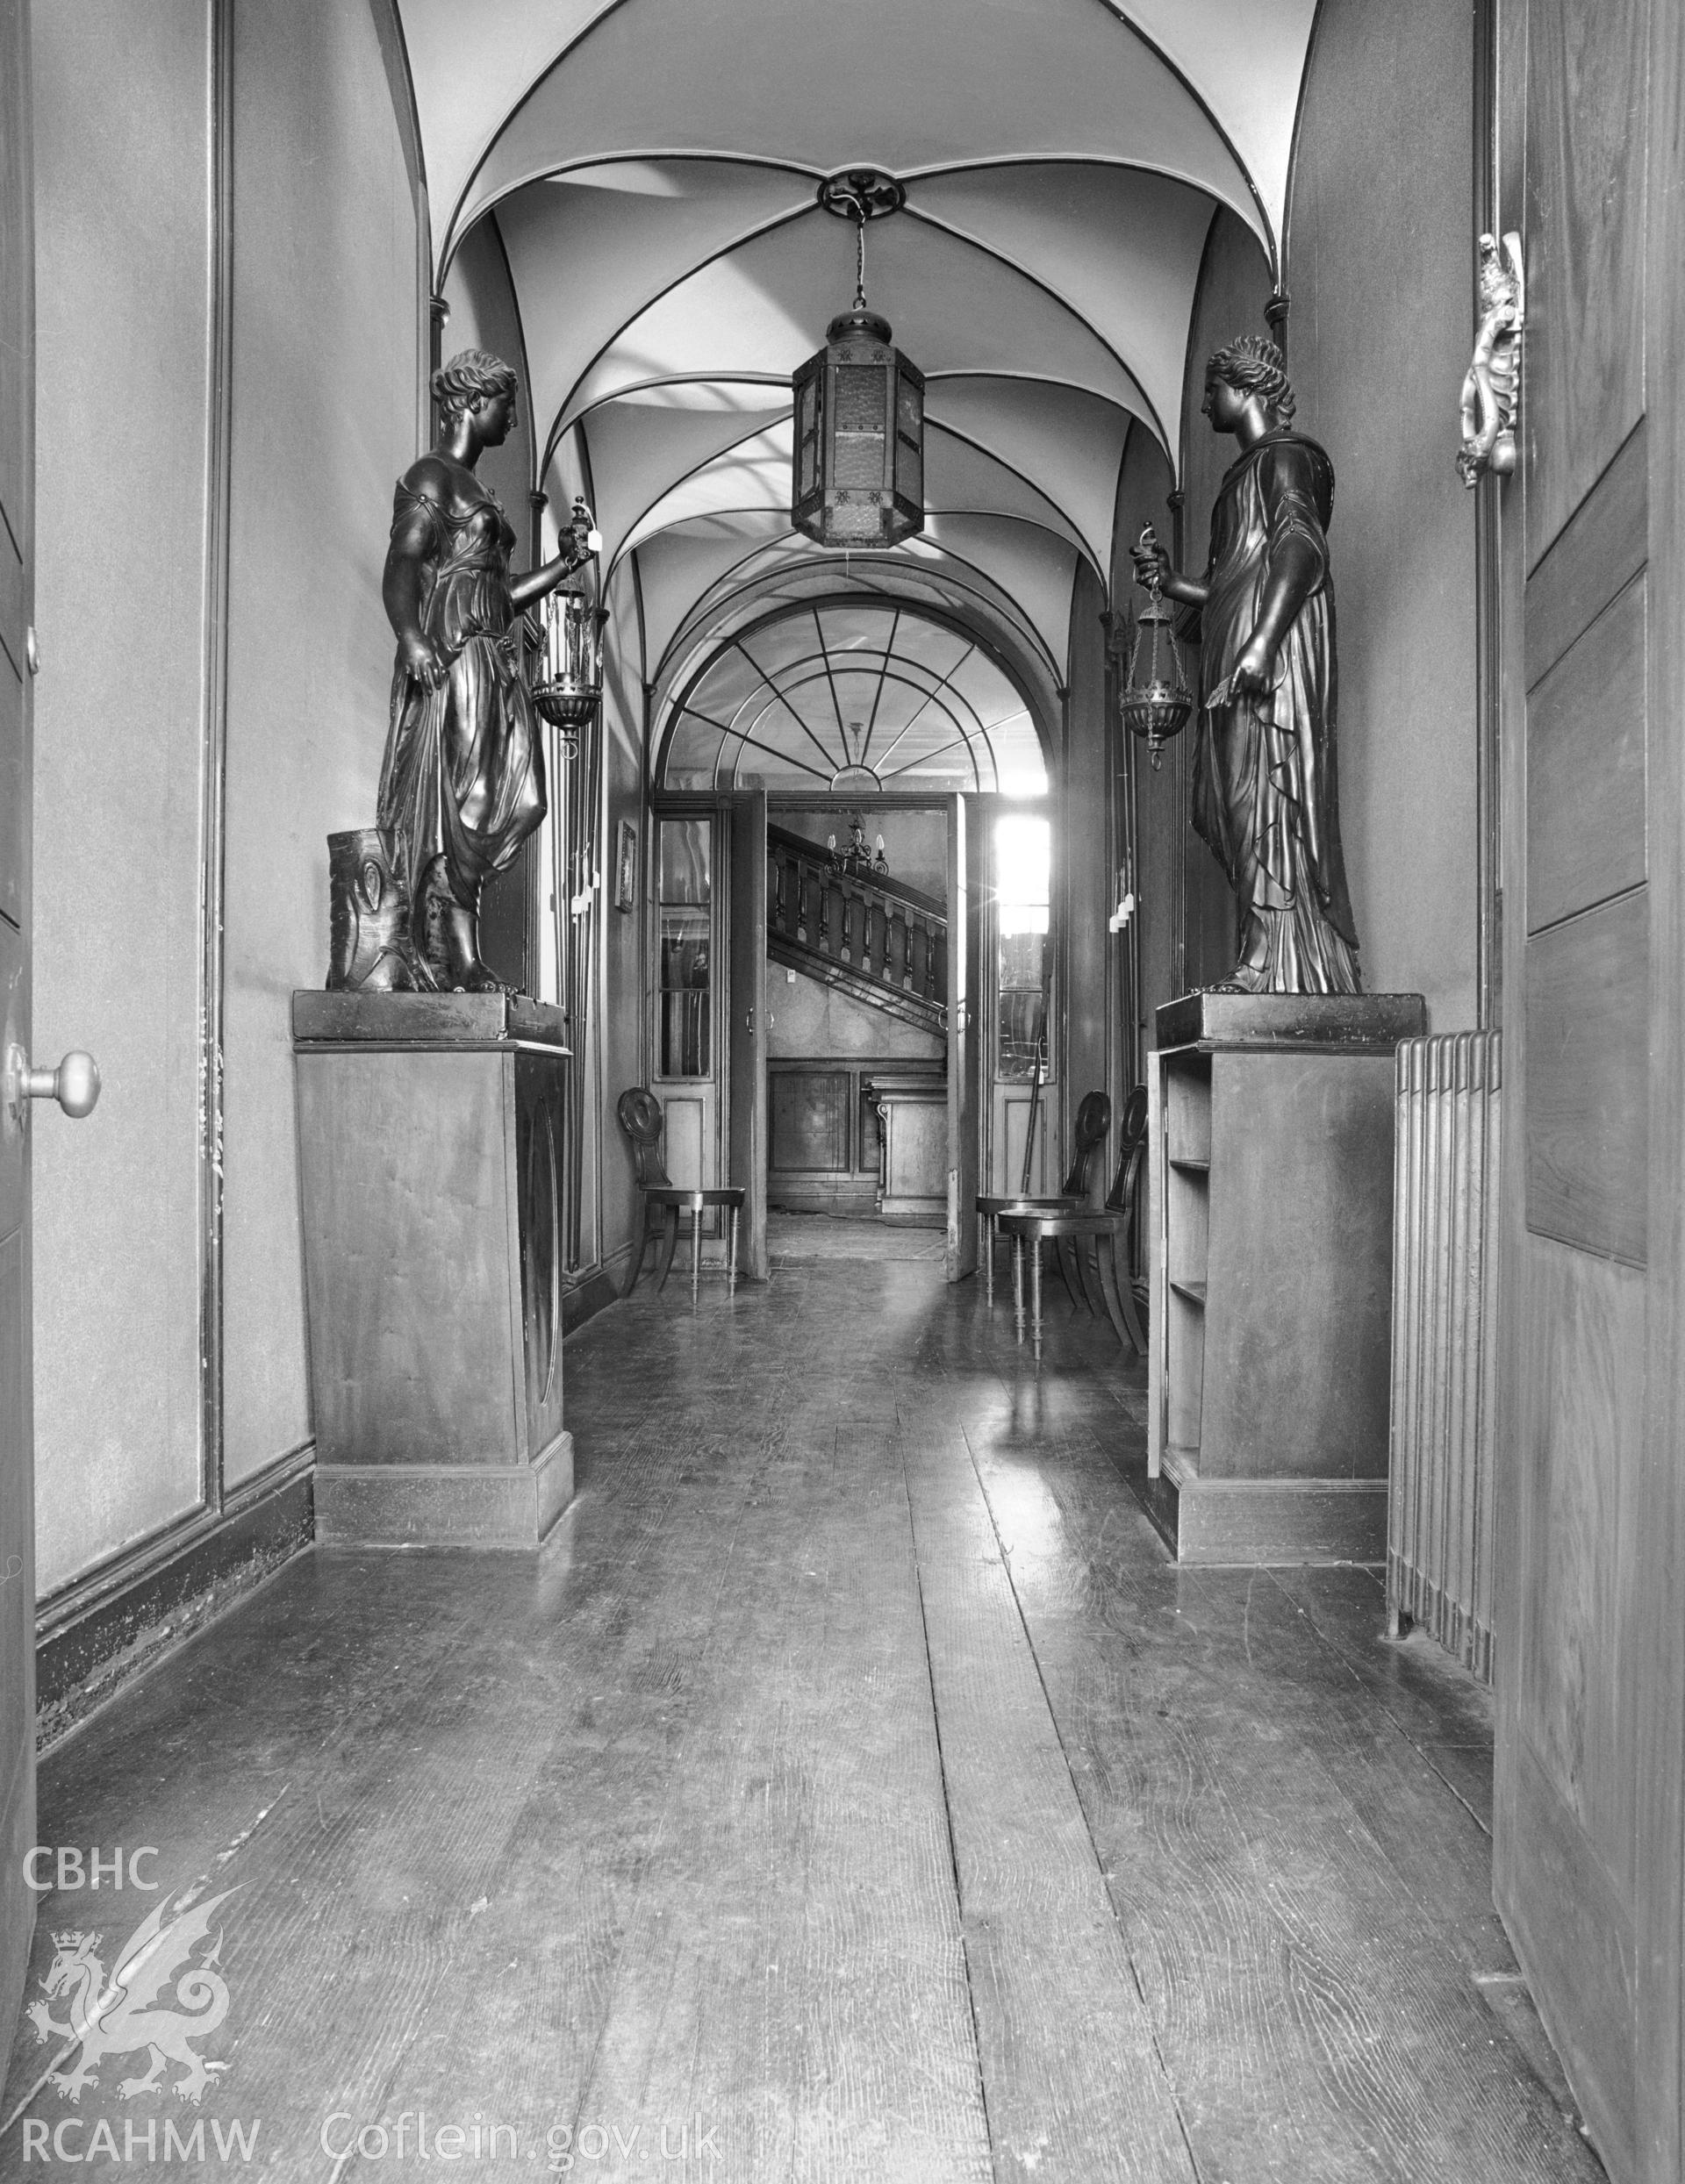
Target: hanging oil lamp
point(858, 476)
point(1156, 700)
point(569, 684)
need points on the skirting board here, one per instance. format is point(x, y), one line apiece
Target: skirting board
point(444, 1505)
point(1266, 1520)
point(98, 1633)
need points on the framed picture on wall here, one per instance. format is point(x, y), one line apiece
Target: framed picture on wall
point(626, 866)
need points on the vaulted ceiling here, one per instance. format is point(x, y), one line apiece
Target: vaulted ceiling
point(652, 169)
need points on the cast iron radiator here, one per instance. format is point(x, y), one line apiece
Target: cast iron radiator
point(1439, 1542)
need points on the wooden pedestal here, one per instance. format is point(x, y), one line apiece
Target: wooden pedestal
point(913, 1176)
point(1270, 1348)
point(429, 1137)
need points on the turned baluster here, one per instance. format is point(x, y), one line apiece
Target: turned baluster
point(872, 953)
point(836, 906)
point(918, 952)
point(895, 952)
point(939, 967)
point(813, 908)
point(854, 930)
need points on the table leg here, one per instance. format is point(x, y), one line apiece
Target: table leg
point(669, 1245)
point(986, 1244)
point(731, 1263)
point(696, 1249)
point(1033, 1244)
point(1018, 1287)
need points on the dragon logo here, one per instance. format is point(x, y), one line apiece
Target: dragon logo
point(125, 2012)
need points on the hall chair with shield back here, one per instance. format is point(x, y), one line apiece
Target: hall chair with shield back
point(642, 1119)
point(1109, 1229)
point(1093, 1120)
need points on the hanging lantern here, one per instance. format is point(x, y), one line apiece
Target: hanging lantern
point(570, 670)
point(1156, 700)
point(858, 475)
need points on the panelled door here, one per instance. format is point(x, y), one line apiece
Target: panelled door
point(964, 910)
point(1591, 1663)
point(746, 1092)
point(16, 1508)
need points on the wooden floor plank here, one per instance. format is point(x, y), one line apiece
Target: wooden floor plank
point(1303, 1894)
point(1075, 2084)
point(852, 1776)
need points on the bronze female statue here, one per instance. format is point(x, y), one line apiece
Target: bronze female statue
point(1265, 795)
point(463, 784)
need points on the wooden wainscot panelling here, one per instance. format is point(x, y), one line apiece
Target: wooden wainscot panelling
point(1586, 767)
point(1587, 98)
point(810, 1119)
point(1587, 1145)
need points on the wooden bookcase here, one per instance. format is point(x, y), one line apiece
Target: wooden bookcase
point(1271, 1268)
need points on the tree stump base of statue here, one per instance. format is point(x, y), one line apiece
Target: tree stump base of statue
point(429, 1141)
point(1270, 1257)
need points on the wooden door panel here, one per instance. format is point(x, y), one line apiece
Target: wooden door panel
point(1586, 90)
point(17, 1518)
point(1596, 555)
point(1574, 1933)
point(1585, 1137)
point(1582, 1434)
point(16, 395)
point(12, 618)
point(1585, 766)
point(14, 802)
point(1583, 1711)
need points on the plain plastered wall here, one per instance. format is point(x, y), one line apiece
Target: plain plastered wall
point(1379, 258)
point(323, 378)
point(122, 222)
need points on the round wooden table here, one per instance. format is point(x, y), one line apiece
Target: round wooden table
point(1029, 1229)
point(989, 1210)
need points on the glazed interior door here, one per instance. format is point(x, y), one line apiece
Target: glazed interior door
point(686, 1068)
point(17, 1506)
point(965, 902)
point(1587, 1835)
point(746, 1166)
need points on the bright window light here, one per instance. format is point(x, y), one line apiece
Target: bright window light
point(1023, 861)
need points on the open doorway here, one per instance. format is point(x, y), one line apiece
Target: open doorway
point(859, 988)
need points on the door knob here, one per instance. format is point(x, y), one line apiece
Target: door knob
point(74, 1084)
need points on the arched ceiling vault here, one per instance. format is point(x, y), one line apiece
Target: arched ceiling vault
point(653, 168)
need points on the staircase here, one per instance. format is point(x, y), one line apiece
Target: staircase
point(874, 939)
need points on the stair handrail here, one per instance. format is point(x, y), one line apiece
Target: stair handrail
point(819, 856)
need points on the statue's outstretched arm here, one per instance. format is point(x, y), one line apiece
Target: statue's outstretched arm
point(1171, 582)
point(576, 550)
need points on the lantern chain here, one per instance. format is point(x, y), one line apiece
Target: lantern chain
point(859, 253)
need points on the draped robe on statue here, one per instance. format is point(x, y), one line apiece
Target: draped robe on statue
point(1265, 796)
point(463, 778)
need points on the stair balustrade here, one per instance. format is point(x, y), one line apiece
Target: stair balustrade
point(886, 942)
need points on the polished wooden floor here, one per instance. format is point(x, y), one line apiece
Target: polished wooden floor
point(851, 1790)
